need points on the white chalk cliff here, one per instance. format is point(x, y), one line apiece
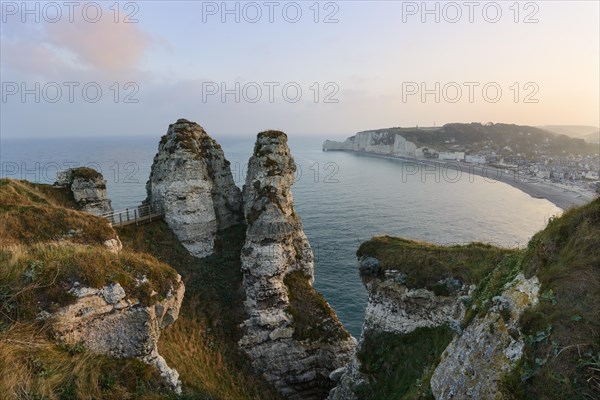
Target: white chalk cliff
point(296, 350)
point(377, 142)
point(394, 308)
point(192, 182)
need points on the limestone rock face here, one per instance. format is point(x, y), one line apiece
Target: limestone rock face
point(88, 187)
point(192, 182)
point(394, 308)
point(472, 365)
point(275, 248)
point(385, 143)
point(108, 321)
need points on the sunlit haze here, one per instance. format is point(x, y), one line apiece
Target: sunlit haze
point(361, 65)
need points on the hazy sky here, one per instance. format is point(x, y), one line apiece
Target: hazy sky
point(361, 65)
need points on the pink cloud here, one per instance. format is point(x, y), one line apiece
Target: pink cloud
point(50, 48)
point(104, 45)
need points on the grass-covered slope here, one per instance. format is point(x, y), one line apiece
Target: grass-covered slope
point(47, 246)
point(563, 347)
point(399, 366)
point(426, 264)
point(202, 344)
point(562, 352)
point(314, 319)
point(34, 213)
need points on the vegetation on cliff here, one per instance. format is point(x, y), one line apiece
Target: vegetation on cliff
point(562, 353)
point(40, 213)
point(526, 140)
point(314, 319)
point(202, 344)
point(398, 366)
point(45, 249)
point(425, 264)
point(562, 333)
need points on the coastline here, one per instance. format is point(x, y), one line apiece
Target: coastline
point(562, 196)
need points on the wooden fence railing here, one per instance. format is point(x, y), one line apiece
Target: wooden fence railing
point(137, 215)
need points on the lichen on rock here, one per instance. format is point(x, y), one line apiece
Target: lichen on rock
point(296, 350)
point(108, 321)
point(192, 182)
point(473, 363)
point(88, 187)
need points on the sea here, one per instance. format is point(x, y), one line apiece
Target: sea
point(343, 199)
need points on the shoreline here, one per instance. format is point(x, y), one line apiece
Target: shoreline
point(561, 196)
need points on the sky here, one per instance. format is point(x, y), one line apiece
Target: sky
point(307, 68)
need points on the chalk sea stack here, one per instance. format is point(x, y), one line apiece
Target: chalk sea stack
point(292, 335)
point(191, 181)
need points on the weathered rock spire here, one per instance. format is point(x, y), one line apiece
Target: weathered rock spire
point(191, 180)
point(291, 334)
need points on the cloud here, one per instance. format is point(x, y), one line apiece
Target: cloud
point(104, 45)
point(46, 48)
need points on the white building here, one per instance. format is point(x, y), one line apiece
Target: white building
point(452, 155)
point(590, 175)
point(475, 159)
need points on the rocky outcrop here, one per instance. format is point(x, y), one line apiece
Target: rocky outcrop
point(395, 308)
point(192, 182)
point(291, 335)
point(88, 187)
point(377, 142)
point(109, 321)
point(473, 364)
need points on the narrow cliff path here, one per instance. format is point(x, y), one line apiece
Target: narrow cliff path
point(202, 344)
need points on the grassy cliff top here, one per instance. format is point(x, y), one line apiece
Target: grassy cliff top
point(521, 138)
point(39, 277)
point(561, 334)
point(425, 264)
point(46, 246)
point(86, 173)
point(33, 213)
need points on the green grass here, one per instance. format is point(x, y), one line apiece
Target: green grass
point(86, 173)
point(426, 264)
point(493, 284)
point(399, 366)
point(314, 319)
point(562, 353)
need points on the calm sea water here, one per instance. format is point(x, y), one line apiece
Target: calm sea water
point(342, 198)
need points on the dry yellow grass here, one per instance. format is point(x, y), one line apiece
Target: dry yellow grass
point(36, 271)
point(202, 366)
point(33, 367)
point(37, 213)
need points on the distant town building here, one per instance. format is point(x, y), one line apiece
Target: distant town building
point(473, 159)
point(452, 155)
point(590, 175)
